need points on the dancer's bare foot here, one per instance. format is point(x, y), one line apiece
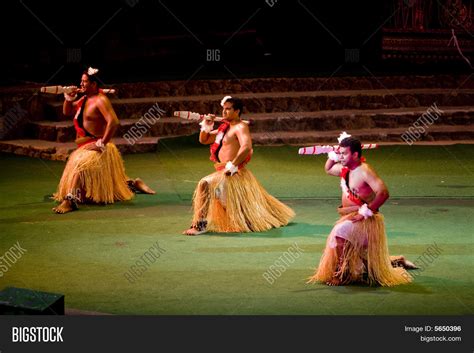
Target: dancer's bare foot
point(193, 231)
point(190, 231)
point(409, 265)
point(65, 207)
point(197, 228)
point(142, 187)
point(401, 261)
point(334, 281)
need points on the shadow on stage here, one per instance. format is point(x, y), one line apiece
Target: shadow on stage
point(292, 230)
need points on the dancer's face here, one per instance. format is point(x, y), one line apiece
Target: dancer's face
point(347, 157)
point(86, 85)
point(228, 112)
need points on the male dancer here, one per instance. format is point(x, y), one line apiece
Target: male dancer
point(94, 171)
point(231, 199)
point(356, 249)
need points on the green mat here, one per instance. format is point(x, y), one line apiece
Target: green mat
point(86, 254)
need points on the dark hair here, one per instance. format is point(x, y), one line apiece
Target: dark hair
point(237, 104)
point(353, 144)
point(92, 78)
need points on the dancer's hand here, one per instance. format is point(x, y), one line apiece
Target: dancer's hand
point(92, 147)
point(211, 119)
point(207, 125)
point(70, 97)
point(334, 156)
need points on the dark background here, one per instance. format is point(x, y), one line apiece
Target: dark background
point(145, 40)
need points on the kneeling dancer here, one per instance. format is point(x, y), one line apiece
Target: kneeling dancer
point(231, 199)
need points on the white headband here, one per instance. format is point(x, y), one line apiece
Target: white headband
point(224, 100)
point(91, 71)
point(343, 136)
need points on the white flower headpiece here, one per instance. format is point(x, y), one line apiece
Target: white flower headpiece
point(91, 71)
point(224, 100)
point(343, 136)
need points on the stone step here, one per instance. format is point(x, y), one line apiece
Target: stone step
point(270, 102)
point(10, 97)
point(275, 84)
point(356, 119)
point(433, 134)
point(21, 93)
point(286, 84)
point(63, 131)
point(60, 151)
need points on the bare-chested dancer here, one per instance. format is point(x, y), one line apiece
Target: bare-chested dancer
point(356, 249)
point(94, 171)
point(231, 199)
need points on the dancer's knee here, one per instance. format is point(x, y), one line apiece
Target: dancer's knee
point(203, 185)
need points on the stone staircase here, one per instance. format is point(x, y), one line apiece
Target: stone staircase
point(297, 111)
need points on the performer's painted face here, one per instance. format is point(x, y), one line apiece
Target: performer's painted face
point(228, 111)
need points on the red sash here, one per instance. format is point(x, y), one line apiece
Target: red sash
point(216, 146)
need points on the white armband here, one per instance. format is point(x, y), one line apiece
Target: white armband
point(333, 156)
point(231, 168)
point(206, 127)
point(99, 143)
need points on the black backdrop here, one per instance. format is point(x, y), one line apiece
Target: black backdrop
point(172, 39)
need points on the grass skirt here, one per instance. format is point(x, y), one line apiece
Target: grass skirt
point(237, 203)
point(365, 256)
point(102, 177)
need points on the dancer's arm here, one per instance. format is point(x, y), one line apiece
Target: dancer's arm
point(105, 108)
point(245, 141)
point(333, 167)
point(378, 187)
point(69, 106)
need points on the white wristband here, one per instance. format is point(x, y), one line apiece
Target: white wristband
point(365, 211)
point(99, 143)
point(333, 156)
point(232, 169)
point(206, 127)
point(70, 98)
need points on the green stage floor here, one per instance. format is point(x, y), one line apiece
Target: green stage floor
point(85, 254)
